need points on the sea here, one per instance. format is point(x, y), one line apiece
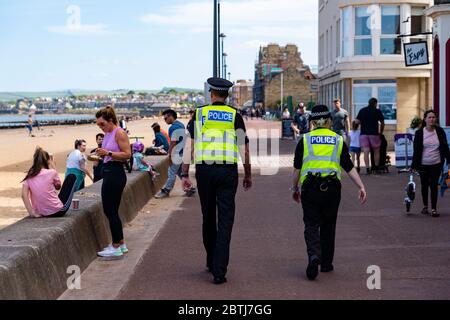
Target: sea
point(20, 120)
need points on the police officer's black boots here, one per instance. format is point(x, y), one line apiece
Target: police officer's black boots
point(326, 268)
point(313, 268)
point(219, 280)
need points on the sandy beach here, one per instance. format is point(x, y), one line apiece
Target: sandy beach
point(17, 148)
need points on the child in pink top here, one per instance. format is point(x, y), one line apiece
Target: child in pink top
point(39, 190)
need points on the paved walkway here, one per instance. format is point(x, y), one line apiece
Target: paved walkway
point(268, 254)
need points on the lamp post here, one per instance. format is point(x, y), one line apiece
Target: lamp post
point(282, 92)
point(222, 36)
point(215, 41)
point(224, 63)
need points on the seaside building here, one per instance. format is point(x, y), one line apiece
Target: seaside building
point(441, 62)
point(361, 56)
point(242, 93)
point(282, 69)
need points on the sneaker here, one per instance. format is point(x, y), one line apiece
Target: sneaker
point(162, 194)
point(434, 213)
point(313, 268)
point(425, 211)
point(110, 252)
point(124, 248)
point(190, 193)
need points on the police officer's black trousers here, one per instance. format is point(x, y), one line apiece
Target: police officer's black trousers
point(217, 186)
point(320, 209)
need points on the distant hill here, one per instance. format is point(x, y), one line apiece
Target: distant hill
point(188, 90)
point(12, 96)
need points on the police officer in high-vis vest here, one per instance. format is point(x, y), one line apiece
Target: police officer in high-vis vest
point(217, 137)
point(319, 157)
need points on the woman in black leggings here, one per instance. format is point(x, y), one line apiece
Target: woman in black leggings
point(115, 151)
point(430, 152)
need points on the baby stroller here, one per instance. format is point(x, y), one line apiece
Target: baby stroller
point(385, 159)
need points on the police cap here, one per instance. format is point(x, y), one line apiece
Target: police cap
point(320, 112)
point(219, 84)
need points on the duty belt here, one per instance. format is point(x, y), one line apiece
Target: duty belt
point(318, 182)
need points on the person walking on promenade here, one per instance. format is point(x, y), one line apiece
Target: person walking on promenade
point(319, 157)
point(177, 133)
point(98, 164)
point(340, 120)
point(215, 138)
point(116, 150)
point(355, 146)
point(371, 120)
point(300, 125)
point(76, 164)
point(431, 150)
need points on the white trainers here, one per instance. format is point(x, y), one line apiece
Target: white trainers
point(124, 248)
point(110, 252)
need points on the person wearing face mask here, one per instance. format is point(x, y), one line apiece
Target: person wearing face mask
point(430, 152)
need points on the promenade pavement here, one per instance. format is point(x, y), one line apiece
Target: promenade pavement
point(268, 253)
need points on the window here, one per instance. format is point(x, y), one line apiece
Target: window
point(390, 29)
point(330, 47)
point(363, 33)
point(383, 90)
point(326, 49)
point(338, 38)
point(321, 51)
point(417, 20)
point(346, 31)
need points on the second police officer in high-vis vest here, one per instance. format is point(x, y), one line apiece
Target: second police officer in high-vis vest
point(217, 138)
point(319, 157)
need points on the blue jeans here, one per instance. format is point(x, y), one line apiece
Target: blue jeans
point(173, 172)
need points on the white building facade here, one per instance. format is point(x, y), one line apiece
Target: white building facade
point(361, 56)
point(441, 59)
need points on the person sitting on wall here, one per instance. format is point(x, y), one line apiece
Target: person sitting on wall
point(40, 188)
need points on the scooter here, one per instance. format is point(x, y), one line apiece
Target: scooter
point(410, 192)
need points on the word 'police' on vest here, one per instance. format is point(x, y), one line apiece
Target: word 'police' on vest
point(220, 116)
point(323, 140)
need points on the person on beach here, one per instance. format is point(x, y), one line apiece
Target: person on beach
point(115, 150)
point(29, 126)
point(98, 165)
point(76, 164)
point(40, 188)
point(431, 150)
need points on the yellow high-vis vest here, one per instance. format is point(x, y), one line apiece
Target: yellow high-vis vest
point(215, 136)
point(322, 153)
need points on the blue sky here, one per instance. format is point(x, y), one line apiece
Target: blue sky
point(140, 44)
